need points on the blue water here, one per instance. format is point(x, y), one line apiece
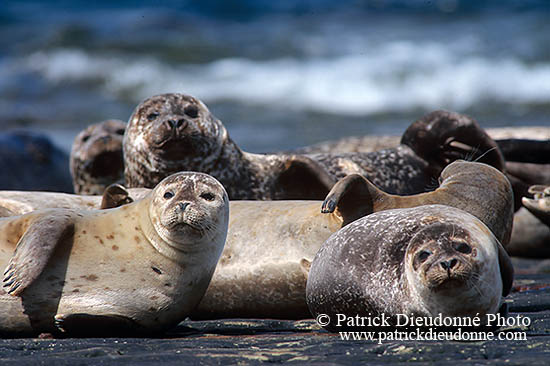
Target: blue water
point(279, 74)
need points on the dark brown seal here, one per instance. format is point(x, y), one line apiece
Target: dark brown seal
point(173, 132)
point(96, 157)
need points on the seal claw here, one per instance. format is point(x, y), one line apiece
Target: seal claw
point(58, 321)
point(8, 268)
point(328, 206)
point(13, 288)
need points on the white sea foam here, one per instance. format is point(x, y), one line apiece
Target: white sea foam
point(396, 76)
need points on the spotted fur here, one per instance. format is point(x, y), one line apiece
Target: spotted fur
point(172, 132)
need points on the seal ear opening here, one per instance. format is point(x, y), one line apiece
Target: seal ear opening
point(115, 195)
point(302, 178)
point(506, 270)
point(354, 196)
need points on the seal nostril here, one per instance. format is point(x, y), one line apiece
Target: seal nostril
point(453, 263)
point(181, 123)
point(183, 206)
point(172, 123)
point(445, 265)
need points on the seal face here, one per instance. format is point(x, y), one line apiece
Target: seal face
point(168, 133)
point(137, 268)
point(424, 261)
point(96, 157)
point(187, 208)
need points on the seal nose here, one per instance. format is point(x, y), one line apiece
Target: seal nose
point(447, 265)
point(180, 123)
point(182, 206)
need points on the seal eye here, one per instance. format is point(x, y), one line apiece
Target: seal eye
point(463, 248)
point(120, 131)
point(208, 196)
point(152, 116)
point(168, 195)
point(423, 255)
point(85, 138)
point(191, 110)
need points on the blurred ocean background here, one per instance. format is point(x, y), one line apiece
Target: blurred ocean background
point(279, 74)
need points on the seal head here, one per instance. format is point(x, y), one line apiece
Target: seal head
point(442, 137)
point(187, 207)
point(96, 157)
point(168, 133)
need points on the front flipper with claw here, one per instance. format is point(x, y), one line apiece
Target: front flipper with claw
point(35, 248)
point(540, 204)
point(354, 196)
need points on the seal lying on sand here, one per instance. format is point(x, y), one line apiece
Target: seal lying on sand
point(274, 254)
point(422, 262)
point(173, 132)
point(139, 268)
point(96, 157)
point(15, 203)
point(30, 161)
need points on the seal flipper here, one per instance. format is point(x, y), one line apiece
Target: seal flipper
point(506, 270)
point(305, 265)
point(540, 205)
point(89, 325)
point(302, 178)
point(35, 248)
point(115, 195)
point(354, 196)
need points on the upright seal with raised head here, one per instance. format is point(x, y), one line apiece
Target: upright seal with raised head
point(139, 268)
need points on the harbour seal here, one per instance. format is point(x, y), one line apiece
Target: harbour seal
point(172, 132)
point(139, 268)
point(31, 161)
point(463, 185)
point(96, 157)
point(15, 203)
point(516, 143)
point(422, 262)
point(539, 205)
point(274, 254)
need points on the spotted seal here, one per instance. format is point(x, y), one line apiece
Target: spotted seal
point(422, 262)
point(139, 268)
point(172, 132)
point(96, 157)
point(275, 252)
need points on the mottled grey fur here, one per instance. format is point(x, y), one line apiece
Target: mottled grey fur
point(371, 266)
point(173, 132)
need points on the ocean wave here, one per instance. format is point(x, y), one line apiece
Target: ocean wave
point(396, 76)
